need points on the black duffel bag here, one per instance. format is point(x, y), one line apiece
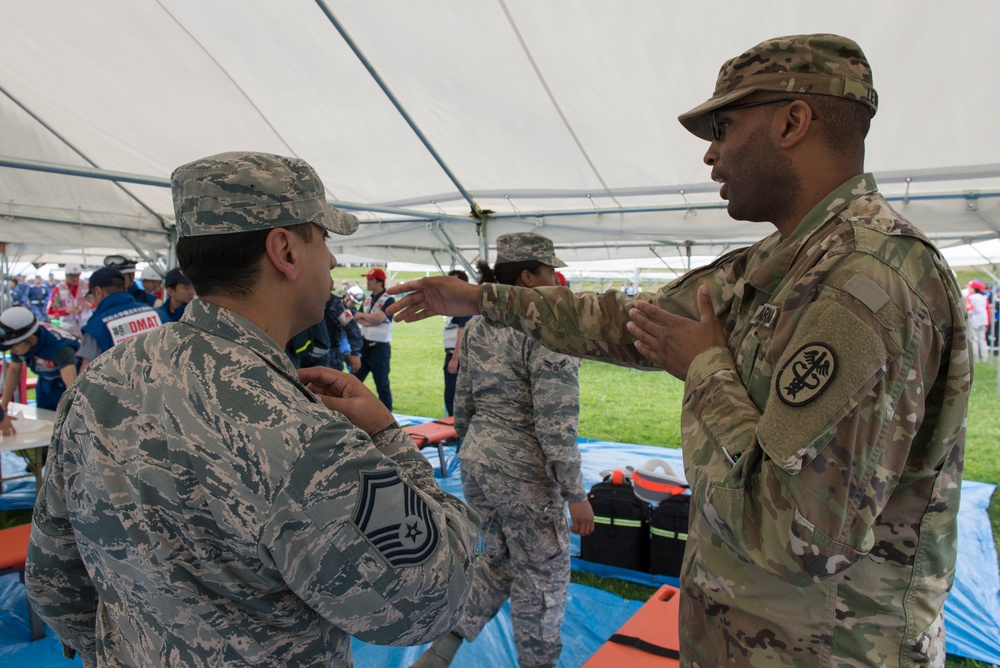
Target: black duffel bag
point(669, 529)
point(621, 525)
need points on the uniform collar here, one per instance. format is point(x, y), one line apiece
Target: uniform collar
point(775, 255)
point(231, 326)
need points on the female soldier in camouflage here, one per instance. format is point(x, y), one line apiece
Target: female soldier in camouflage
point(516, 408)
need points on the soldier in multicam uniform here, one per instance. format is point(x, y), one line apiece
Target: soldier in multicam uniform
point(516, 409)
point(826, 380)
point(206, 506)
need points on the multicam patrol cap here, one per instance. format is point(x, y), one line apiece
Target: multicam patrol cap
point(245, 191)
point(817, 64)
point(525, 247)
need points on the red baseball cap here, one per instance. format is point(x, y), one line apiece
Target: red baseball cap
point(376, 273)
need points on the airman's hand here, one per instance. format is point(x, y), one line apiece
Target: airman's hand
point(346, 394)
point(582, 517)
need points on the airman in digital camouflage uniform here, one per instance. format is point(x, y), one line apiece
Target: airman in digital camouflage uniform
point(516, 409)
point(206, 506)
point(826, 380)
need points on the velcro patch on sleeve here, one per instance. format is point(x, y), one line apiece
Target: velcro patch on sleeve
point(831, 362)
point(395, 518)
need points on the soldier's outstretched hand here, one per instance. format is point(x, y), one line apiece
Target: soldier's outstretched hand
point(346, 394)
point(671, 341)
point(437, 295)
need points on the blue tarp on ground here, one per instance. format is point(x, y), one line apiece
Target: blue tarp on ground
point(972, 611)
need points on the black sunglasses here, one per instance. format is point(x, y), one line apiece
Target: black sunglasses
point(717, 131)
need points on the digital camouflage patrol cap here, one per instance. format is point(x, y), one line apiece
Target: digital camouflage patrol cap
point(817, 64)
point(525, 247)
point(243, 192)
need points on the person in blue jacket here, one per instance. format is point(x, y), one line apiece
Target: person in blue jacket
point(117, 315)
point(345, 335)
point(127, 268)
point(179, 295)
point(48, 351)
point(37, 297)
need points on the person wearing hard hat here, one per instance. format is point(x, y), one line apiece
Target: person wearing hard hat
point(827, 378)
point(152, 284)
point(345, 335)
point(357, 296)
point(68, 301)
point(48, 351)
point(127, 268)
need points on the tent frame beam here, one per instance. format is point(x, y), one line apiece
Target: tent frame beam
point(476, 211)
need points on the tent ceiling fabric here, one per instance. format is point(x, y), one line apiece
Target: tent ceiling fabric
point(557, 116)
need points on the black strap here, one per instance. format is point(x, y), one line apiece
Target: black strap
point(644, 646)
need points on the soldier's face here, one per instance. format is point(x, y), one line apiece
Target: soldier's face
point(543, 278)
point(758, 179)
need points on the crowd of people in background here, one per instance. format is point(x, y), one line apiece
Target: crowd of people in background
point(56, 327)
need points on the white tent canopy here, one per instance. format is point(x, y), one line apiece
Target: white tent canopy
point(558, 116)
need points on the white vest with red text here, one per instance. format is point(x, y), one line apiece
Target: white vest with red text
point(381, 333)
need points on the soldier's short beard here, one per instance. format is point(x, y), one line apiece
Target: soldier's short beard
point(766, 177)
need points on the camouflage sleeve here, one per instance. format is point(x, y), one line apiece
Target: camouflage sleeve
point(592, 325)
point(555, 398)
point(384, 556)
point(797, 487)
point(57, 583)
point(395, 444)
point(465, 405)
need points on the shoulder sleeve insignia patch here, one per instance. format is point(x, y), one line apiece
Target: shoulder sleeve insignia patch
point(395, 519)
point(558, 365)
point(807, 374)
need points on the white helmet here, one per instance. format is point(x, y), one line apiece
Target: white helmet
point(16, 325)
point(356, 294)
point(652, 486)
point(150, 274)
point(73, 268)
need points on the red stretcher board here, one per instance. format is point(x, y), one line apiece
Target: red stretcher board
point(436, 432)
point(655, 623)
